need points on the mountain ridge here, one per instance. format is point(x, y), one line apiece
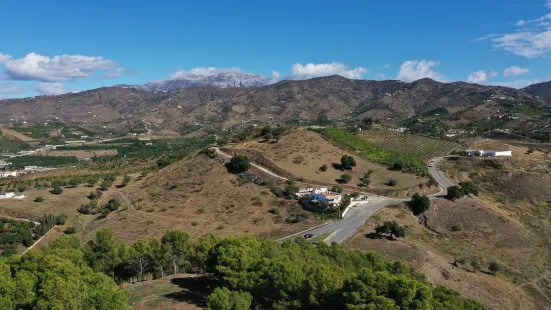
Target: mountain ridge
point(334, 97)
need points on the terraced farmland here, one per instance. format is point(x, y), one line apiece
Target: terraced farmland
point(423, 147)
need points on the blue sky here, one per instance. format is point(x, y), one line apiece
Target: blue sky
point(58, 46)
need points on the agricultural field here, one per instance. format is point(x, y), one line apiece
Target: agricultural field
point(12, 144)
point(79, 154)
point(376, 153)
point(43, 161)
point(423, 147)
point(301, 153)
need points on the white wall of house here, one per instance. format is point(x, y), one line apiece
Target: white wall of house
point(9, 174)
point(490, 153)
point(7, 195)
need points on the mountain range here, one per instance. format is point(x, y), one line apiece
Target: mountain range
point(222, 80)
point(211, 109)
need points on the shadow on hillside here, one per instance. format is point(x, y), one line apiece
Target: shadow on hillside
point(377, 236)
point(194, 290)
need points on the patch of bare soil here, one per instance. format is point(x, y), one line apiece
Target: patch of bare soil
point(301, 153)
point(486, 235)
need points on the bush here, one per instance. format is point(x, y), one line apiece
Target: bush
point(323, 168)
point(238, 164)
point(70, 230)
point(126, 180)
point(106, 184)
point(392, 182)
point(347, 162)
point(457, 228)
point(21, 188)
point(39, 199)
point(162, 162)
point(291, 188)
point(336, 189)
point(95, 194)
point(493, 267)
point(345, 178)
point(61, 219)
point(366, 179)
point(57, 190)
point(419, 204)
point(74, 182)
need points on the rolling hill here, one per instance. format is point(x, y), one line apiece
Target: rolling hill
point(336, 98)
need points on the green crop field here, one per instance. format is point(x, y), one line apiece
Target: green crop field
point(420, 146)
point(376, 153)
point(8, 144)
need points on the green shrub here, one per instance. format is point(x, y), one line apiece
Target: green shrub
point(57, 190)
point(391, 182)
point(457, 228)
point(347, 162)
point(419, 204)
point(323, 168)
point(39, 199)
point(238, 164)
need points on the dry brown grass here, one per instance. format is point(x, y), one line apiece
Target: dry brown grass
point(200, 197)
point(485, 236)
point(303, 152)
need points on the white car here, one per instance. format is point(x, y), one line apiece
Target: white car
point(431, 164)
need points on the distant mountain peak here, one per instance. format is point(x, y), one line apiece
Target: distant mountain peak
point(221, 80)
point(540, 89)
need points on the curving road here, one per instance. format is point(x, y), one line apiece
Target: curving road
point(353, 221)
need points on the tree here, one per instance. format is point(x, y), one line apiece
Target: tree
point(469, 188)
point(347, 162)
point(493, 267)
point(392, 228)
point(419, 204)
point(38, 199)
point(238, 164)
point(224, 299)
point(365, 180)
point(268, 136)
point(57, 190)
point(141, 258)
point(74, 182)
point(92, 181)
point(126, 180)
point(61, 219)
point(345, 178)
point(323, 168)
point(21, 188)
point(177, 245)
point(392, 182)
point(455, 192)
point(106, 184)
point(291, 188)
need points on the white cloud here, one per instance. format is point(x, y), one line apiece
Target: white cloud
point(4, 58)
point(413, 70)
point(203, 72)
point(311, 70)
point(276, 77)
point(52, 88)
point(117, 72)
point(10, 89)
point(480, 76)
point(531, 39)
point(514, 71)
point(35, 67)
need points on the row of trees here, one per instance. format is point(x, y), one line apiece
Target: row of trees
point(462, 189)
point(249, 273)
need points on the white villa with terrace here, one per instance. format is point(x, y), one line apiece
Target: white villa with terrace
point(321, 194)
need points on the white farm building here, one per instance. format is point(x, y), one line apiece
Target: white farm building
point(321, 194)
point(484, 153)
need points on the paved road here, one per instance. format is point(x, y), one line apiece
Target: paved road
point(440, 178)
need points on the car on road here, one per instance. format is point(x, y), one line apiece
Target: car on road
point(308, 236)
point(431, 163)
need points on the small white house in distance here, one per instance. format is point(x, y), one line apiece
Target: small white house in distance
point(8, 174)
point(489, 153)
point(321, 194)
point(7, 195)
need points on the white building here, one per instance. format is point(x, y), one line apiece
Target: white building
point(321, 194)
point(489, 153)
point(8, 174)
point(7, 195)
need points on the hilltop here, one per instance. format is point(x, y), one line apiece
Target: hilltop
point(208, 109)
point(540, 89)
